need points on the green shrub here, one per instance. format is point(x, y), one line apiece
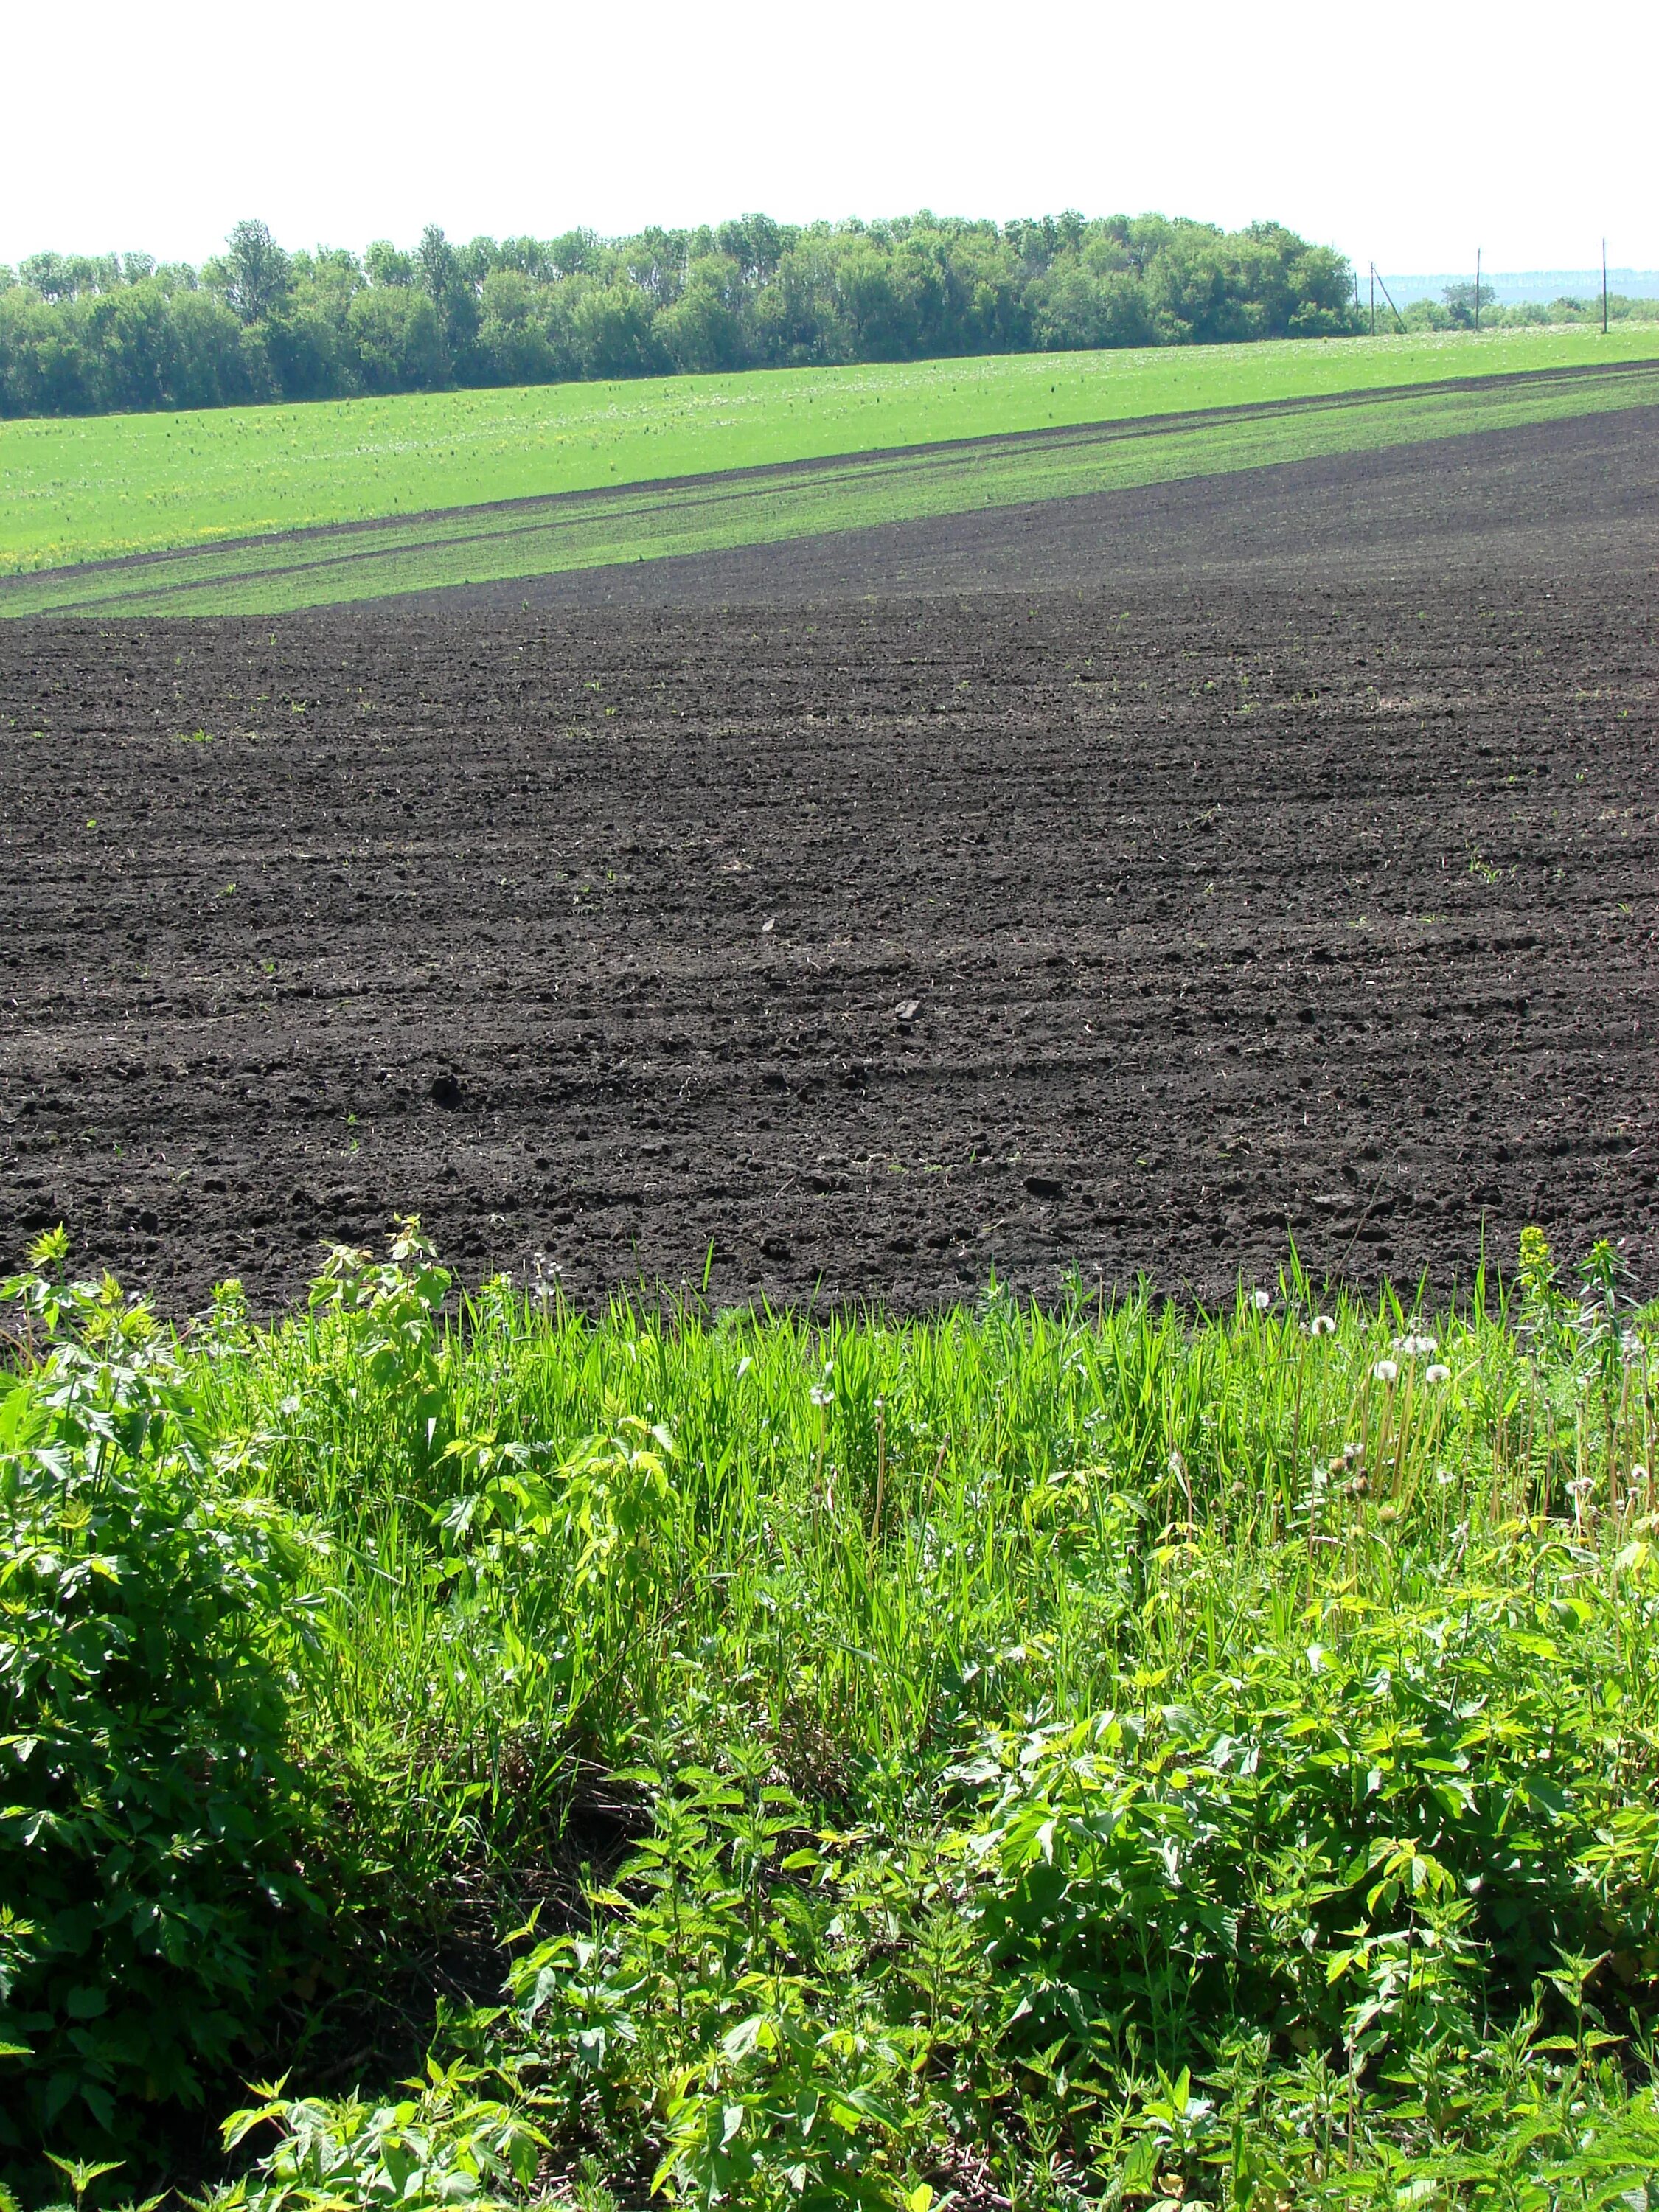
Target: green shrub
point(149, 1823)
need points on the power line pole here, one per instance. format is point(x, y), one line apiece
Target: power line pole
point(1477, 288)
point(1604, 288)
point(1373, 299)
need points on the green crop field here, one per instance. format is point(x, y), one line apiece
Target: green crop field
point(789, 500)
point(95, 490)
point(1088, 1758)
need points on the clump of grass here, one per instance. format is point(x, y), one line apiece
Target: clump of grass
point(1038, 1757)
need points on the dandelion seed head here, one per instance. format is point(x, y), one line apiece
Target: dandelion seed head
point(1445, 1477)
point(1638, 1474)
point(1262, 1300)
point(1437, 1374)
point(1387, 1370)
point(1324, 1325)
point(1581, 1485)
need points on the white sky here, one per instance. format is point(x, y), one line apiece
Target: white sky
point(1410, 131)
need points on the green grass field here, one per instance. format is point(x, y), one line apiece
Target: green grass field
point(485, 544)
point(1092, 1758)
point(90, 490)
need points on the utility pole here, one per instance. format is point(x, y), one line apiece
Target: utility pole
point(1373, 299)
point(1477, 288)
point(1604, 288)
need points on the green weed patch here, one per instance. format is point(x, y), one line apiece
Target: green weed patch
point(1096, 1756)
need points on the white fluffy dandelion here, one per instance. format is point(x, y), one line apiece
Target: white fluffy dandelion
point(1262, 1300)
point(1437, 1374)
point(1387, 1370)
point(1324, 1325)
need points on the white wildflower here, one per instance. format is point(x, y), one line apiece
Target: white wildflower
point(1324, 1325)
point(1437, 1374)
point(1262, 1300)
point(1386, 1370)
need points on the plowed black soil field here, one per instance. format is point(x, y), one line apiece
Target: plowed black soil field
point(1293, 883)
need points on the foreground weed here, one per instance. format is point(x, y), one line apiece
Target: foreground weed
point(1035, 1758)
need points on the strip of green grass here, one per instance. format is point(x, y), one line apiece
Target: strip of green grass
point(536, 538)
point(87, 490)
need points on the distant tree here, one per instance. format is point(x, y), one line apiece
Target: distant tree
point(1462, 301)
point(394, 332)
point(611, 334)
point(253, 274)
point(387, 265)
point(513, 343)
point(702, 329)
point(454, 301)
point(575, 254)
point(71, 276)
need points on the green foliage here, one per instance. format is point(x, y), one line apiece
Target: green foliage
point(149, 1824)
point(1068, 1757)
point(81, 335)
point(444, 2144)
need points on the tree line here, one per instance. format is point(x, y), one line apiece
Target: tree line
point(1460, 308)
point(84, 335)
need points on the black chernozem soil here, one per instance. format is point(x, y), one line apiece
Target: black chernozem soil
point(1294, 881)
